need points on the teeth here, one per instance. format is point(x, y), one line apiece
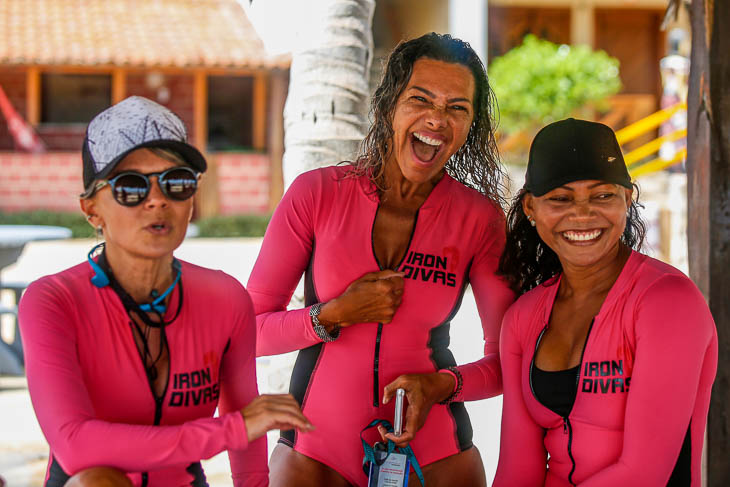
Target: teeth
point(582, 236)
point(427, 140)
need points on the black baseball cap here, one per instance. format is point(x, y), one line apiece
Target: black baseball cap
point(133, 123)
point(574, 150)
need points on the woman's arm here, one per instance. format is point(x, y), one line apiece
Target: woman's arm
point(676, 351)
point(239, 388)
point(66, 415)
point(482, 379)
point(285, 254)
point(522, 454)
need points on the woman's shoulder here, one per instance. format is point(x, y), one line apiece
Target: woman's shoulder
point(324, 177)
point(646, 273)
point(528, 308)
point(199, 279)
point(67, 290)
point(654, 288)
point(213, 287)
point(475, 209)
point(73, 280)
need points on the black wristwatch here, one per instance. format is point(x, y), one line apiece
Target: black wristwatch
point(320, 330)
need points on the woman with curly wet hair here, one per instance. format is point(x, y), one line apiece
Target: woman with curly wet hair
point(387, 245)
point(608, 357)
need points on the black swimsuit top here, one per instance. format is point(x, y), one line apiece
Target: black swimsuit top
point(555, 390)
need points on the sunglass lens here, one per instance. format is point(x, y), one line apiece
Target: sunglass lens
point(179, 184)
point(131, 189)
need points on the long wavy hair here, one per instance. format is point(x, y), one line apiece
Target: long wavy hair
point(527, 261)
point(476, 163)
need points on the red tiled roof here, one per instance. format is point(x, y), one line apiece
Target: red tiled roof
point(131, 33)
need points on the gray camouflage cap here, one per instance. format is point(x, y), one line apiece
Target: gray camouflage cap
point(131, 124)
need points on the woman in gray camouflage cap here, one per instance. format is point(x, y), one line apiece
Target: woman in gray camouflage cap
point(125, 370)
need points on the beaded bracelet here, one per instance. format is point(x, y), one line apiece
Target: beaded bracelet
point(459, 385)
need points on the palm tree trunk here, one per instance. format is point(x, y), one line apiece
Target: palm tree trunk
point(325, 116)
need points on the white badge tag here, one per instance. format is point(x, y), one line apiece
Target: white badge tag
point(393, 472)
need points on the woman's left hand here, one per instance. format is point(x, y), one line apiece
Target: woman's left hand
point(422, 392)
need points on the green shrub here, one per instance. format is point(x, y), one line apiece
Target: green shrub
point(233, 226)
point(80, 228)
point(540, 82)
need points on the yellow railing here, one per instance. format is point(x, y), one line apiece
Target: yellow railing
point(640, 128)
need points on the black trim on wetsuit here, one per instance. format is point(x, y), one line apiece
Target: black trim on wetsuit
point(442, 358)
point(682, 473)
point(196, 470)
point(56, 476)
point(307, 358)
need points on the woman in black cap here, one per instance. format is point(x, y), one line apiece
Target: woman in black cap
point(608, 357)
point(125, 370)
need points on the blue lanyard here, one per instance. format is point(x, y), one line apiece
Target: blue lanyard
point(406, 450)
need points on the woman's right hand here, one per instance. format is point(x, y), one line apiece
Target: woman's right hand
point(374, 298)
point(273, 411)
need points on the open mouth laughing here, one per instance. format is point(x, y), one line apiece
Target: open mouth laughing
point(425, 148)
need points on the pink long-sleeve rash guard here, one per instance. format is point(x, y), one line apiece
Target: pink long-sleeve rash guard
point(90, 391)
point(643, 395)
point(323, 228)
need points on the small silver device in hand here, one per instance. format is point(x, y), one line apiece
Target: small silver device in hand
point(398, 420)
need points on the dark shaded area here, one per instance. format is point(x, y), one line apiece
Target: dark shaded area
point(708, 188)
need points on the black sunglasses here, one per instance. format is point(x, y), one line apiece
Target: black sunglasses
point(130, 188)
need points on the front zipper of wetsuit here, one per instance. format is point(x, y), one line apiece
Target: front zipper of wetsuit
point(379, 334)
point(376, 365)
point(567, 427)
point(158, 413)
point(158, 400)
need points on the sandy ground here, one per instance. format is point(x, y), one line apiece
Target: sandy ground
point(23, 449)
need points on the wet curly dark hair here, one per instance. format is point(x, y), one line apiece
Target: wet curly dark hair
point(476, 163)
point(527, 261)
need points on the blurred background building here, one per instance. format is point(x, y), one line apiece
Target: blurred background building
point(63, 61)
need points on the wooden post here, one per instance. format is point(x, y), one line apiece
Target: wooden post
point(119, 85)
point(200, 110)
point(259, 111)
point(33, 95)
point(207, 197)
point(708, 165)
point(277, 97)
point(582, 24)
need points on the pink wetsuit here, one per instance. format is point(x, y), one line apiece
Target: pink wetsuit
point(90, 391)
point(643, 392)
point(323, 228)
